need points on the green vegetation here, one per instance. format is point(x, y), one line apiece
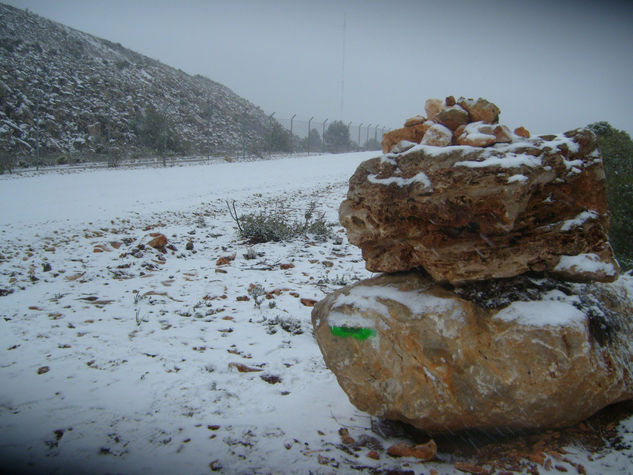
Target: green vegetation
point(279, 139)
point(267, 226)
point(336, 137)
point(617, 154)
point(155, 132)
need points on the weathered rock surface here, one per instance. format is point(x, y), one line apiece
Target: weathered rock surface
point(437, 135)
point(521, 353)
point(412, 133)
point(480, 110)
point(454, 116)
point(468, 213)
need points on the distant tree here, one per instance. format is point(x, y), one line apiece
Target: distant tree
point(312, 143)
point(7, 162)
point(154, 131)
point(279, 138)
point(336, 137)
point(617, 155)
point(372, 144)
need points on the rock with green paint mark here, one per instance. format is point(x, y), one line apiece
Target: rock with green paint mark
point(519, 353)
point(353, 332)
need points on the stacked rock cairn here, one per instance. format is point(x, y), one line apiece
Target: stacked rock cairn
point(500, 304)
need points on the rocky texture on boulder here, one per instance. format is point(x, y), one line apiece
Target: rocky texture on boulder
point(502, 309)
point(522, 353)
point(472, 213)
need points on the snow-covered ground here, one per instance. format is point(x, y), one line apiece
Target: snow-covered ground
point(117, 358)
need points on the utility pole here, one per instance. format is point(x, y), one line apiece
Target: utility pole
point(343, 65)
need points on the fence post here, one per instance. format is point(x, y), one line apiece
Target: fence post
point(323, 134)
point(359, 127)
point(309, 122)
point(291, 136)
point(291, 120)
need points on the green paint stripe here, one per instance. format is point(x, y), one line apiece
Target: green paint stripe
point(354, 332)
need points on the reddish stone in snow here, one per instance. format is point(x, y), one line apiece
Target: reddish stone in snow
point(522, 132)
point(159, 241)
point(414, 133)
point(417, 120)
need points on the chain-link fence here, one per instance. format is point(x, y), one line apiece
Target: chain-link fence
point(278, 136)
point(319, 134)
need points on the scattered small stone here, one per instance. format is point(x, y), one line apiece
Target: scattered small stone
point(470, 468)
point(224, 260)
point(424, 452)
point(373, 455)
point(189, 246)
point(43, 370)
point(242, 368)
point(159, 242)
point(271, 378)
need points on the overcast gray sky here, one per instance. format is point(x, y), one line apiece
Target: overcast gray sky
point(549, 65)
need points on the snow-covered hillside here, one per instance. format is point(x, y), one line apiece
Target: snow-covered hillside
point(116, 357)
point(87, 91)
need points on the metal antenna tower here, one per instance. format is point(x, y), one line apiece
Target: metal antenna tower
point(343, 65)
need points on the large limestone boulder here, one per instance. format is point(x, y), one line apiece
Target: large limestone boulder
point(521, 353)
point(469, 213)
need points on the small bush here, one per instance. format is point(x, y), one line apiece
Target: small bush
point(275, 226)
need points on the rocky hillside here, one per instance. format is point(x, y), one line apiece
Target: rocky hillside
point(95, 96)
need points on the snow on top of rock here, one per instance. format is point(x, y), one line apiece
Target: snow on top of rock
point(561, 140)
point(517, 178)
point(510, 160)
point(400, 181)
point(373, 299)
point(589, 263)
point(578, 220)
point(353, 320)
point(554, 309)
